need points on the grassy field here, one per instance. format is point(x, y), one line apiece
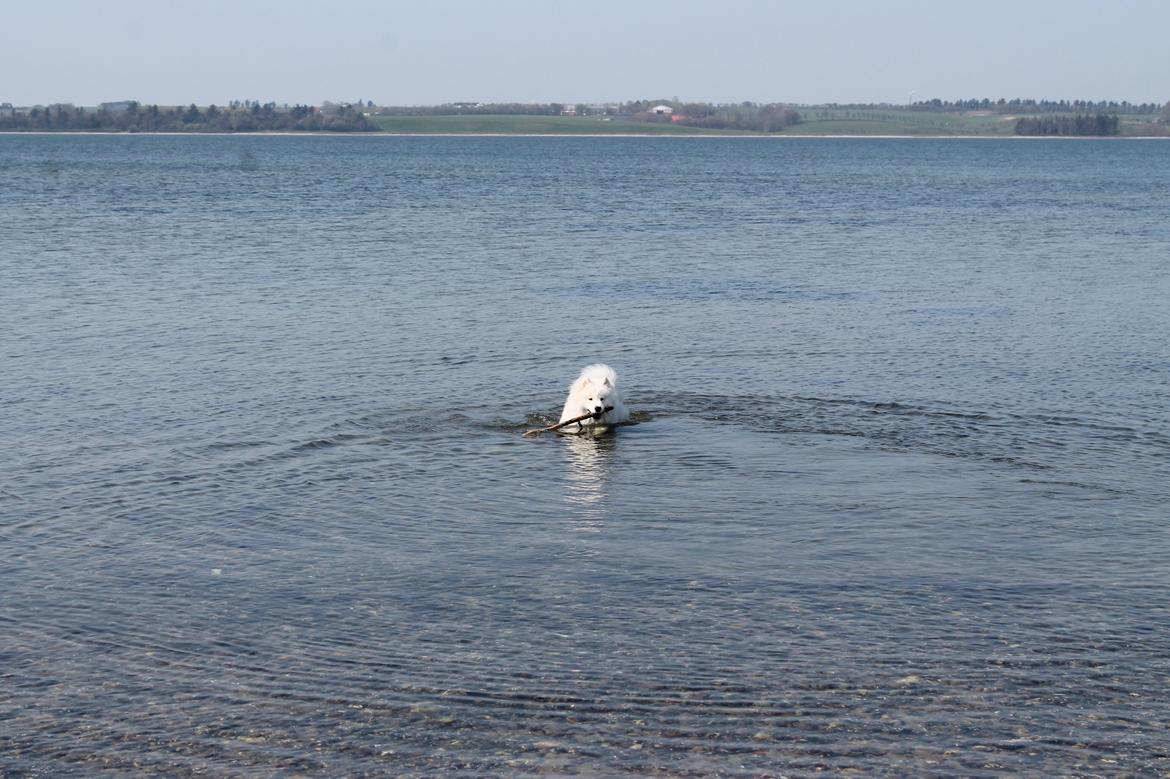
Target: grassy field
point(858, 127)
point(526, 125)
point(817, 121)
point(1142, 127)
point(840, 121)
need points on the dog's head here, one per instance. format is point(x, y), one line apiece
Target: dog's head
point(596, 395)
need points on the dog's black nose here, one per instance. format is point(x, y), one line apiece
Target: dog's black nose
point(597, 408)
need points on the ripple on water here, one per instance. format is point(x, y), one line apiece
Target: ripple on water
point(432, 636)
point(894, 503)
point(485, 683)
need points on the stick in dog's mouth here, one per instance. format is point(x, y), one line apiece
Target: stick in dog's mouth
point(567, 422)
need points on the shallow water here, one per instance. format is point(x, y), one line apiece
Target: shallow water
point(895, 503)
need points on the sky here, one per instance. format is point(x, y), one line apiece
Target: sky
point(426, 52)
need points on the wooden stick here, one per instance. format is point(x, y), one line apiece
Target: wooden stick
point(567, 422)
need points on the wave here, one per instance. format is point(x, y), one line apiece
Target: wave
point(1104, 454)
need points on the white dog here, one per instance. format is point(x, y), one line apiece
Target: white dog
point(594, 391)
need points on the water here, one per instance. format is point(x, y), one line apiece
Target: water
point(895, 503)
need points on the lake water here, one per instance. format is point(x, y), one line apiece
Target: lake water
point(896, 502)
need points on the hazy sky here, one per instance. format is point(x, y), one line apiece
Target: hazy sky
point(435, 51)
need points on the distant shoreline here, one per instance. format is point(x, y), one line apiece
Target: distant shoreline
point(687, 137)
point(924, 119)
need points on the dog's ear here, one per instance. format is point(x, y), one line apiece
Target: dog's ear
point(607, 383)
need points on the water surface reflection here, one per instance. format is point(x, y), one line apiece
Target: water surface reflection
point(588, 462)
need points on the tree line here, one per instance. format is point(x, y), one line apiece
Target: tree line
point(1080, 124)
point(1018, 105)
point(249, 116)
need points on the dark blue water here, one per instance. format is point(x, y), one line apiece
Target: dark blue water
point(896, 502)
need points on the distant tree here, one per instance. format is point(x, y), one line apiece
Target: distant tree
point(1031, 105)
point(1079, 124)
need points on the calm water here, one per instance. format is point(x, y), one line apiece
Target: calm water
point(897, 502)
